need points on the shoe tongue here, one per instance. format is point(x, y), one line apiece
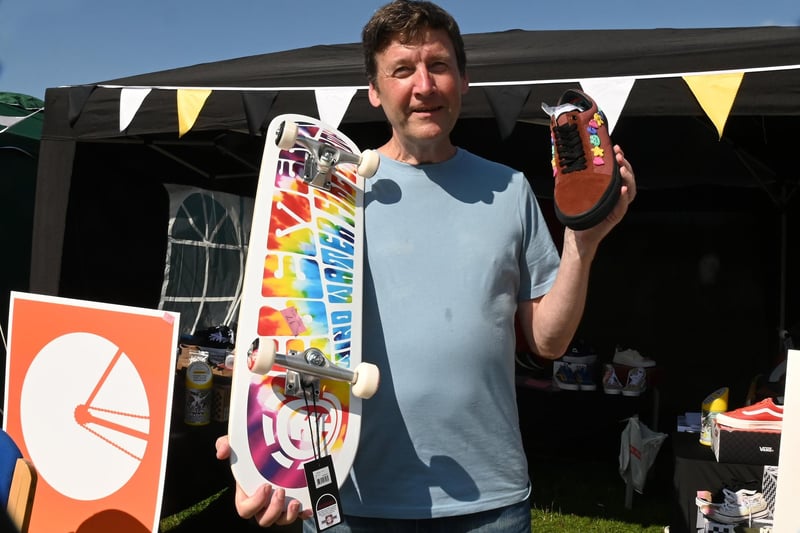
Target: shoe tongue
point(558, 110)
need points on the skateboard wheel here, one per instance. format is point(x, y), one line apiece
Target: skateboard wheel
point(264, 359)
point(286, 135)
point(368, 165)
point(367, 379)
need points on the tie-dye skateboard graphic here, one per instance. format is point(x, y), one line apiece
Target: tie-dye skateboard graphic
point(298, 379)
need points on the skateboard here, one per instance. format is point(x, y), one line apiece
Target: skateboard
point(298, 379)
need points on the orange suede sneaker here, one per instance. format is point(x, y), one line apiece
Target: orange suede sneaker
point(587, 176)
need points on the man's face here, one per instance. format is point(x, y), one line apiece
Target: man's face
point(419, 87)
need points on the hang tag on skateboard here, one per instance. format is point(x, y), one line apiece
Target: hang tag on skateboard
point(324, 491)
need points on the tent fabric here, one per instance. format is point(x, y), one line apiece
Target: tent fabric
point(511, 74)
point(546, 61)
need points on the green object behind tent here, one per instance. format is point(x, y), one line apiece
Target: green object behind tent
point(21, 119)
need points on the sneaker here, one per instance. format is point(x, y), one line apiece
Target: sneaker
point(746, 508)
point(587, 179)
point(611, 383)
point(765, 414)
point(705, 498)
point(637, 382)
point(583, 376)
point(580, 352)
point(631, 357)
point(565, 379)
point(213, 337)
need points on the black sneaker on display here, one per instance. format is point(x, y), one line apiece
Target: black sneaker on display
point(213, 337)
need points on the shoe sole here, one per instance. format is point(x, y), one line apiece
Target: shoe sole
point(601, 209)
point(567, 386)
point(737, 423)
point(632, 393)
point(735, 519)
point(634, 364)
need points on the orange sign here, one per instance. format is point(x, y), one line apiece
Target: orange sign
point(88, 399)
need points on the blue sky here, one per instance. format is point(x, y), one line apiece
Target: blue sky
point(48, 43)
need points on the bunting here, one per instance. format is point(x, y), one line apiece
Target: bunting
point(610, 94)
point(715, 93)
point(130, 100)
point(332, 103)
point(256, 109)
point(507, 103)
point(190, 103)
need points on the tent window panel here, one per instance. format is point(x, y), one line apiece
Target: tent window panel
point(207, 245)
point(205, 271)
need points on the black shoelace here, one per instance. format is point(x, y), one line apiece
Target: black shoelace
point(571, 156)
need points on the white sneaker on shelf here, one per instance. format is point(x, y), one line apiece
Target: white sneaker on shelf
point(637, 382)
point(631, 357)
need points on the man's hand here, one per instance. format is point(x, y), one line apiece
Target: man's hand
point(591, 237)
point(266, 506)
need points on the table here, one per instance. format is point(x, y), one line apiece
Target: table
point(696, 468)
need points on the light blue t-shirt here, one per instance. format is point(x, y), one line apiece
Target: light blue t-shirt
point(450, 250)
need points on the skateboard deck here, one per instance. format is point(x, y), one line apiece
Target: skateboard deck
point(298, 379)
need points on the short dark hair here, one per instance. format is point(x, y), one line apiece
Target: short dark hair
point(406, 20)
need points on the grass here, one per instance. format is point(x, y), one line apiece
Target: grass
point(569, 495)
point(543, 521)
point(574, 495)
point(173, 522)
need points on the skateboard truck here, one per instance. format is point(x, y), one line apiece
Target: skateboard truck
point(304, 370)
point(321, 158)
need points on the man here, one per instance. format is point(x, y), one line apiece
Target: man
point(456, 246)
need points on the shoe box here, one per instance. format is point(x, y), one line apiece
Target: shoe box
point(744, 446)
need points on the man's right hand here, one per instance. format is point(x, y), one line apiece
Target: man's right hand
point(267, 506)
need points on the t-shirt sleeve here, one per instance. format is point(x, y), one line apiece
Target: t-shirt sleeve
point(539, 258)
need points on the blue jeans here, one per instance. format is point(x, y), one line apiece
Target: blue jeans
point(515, 518)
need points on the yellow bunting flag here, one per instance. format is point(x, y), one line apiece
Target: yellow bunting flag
point(190, 103)
point(716, 93)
